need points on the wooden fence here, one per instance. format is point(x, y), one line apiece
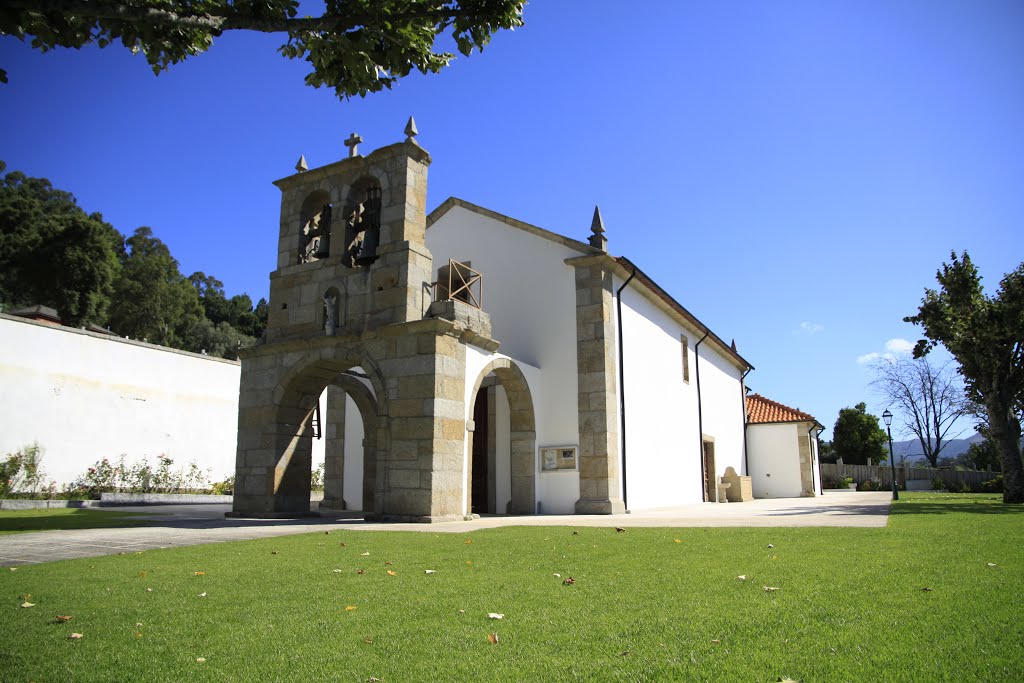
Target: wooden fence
point(920, 476)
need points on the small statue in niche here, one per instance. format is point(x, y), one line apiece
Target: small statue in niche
point(316, 236)
point(330, 314)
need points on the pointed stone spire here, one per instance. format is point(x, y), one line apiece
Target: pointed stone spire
point(597, 227)
point(410, 130)
point(301, 166)
point(733, 344)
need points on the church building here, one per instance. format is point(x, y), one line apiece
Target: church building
point(473, 363)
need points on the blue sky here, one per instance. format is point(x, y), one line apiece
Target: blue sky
point(793, 172)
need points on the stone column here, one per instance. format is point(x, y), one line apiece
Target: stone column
point(425, 366)
point(597, 368)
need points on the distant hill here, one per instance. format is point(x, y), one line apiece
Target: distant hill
point(911, 449)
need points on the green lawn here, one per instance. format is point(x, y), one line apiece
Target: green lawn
point(647, 605)
point(20, 521)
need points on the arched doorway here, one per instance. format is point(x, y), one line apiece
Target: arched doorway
point(350, 451)
point(289, 435)
point(503, 444)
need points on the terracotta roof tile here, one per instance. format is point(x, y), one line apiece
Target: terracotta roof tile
point(761, 410)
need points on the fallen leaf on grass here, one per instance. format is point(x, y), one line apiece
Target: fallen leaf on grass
point(429, 571)
point(785, 679)
point(389, 564)
point(462, 611)
point(620, 530)
point(368, 640)
point(468, 541)
point(926, 589)
point(75, 636)
point(678, 541)
point(991, 564)
point(770, 589)
point(138, 624)
point(343, 545)
point(770, 545)
point(716, 641)
point(624, 653)
point(138, 634)
point(326, 533)
point(200, 659)
point(336, 571)
point(28, 604)
point(570, 581)
point(360, 571)
point(492, 638)
point(351, 608)
point(202, 595)
point(273, 552)
point(392, 573)
point(495, 615)
point(200, 573)
point(365, 554)
point(558, 576)
point(372, 679)
point(575, 533)
point(149, 590)
point(13, 569)
point(61, 619)
point(469, 561)
point(741, 577)
point(143, 575)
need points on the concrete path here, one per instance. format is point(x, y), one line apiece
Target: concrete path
point(182, 525)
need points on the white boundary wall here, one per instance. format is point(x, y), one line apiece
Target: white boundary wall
point(85, 396)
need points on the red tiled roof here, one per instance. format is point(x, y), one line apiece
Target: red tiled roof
point(761, 410)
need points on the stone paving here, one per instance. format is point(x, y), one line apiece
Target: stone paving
point(184, 525)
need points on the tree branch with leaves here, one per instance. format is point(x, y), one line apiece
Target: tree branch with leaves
point(356, 46)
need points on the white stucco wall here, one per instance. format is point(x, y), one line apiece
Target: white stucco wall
point(530, 294)
point(663, 438)
point(353, 484)
point(773, 451)
point(85, 396)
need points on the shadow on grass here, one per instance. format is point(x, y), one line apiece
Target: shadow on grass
point(63, 519)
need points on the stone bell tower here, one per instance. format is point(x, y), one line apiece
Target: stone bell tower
point(350, 308)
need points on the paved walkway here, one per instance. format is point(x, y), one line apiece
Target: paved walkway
point(182, 525)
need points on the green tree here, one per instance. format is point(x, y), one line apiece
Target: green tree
point(53, 253)
point(985, 334)
point(982, 455)
point(857, 438)
point(152, 299)
point(355, 46)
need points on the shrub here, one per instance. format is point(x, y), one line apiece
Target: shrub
point(224, 488)
point(992, 485)
point(138, 477)
point(316, 478)
point(22, 471)
point(870, 485)
point(938, 484)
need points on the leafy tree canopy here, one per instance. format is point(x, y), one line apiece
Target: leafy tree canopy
point(857, 438)
point(53, 253)
point(985, 334)
point(355, 46)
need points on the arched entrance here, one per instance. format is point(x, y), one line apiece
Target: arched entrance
point(503, 444)
point(346, 440)
point(288, 435)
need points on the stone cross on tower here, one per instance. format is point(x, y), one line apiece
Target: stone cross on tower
point(353, 144)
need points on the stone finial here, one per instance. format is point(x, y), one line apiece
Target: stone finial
point(353, 145)
point(597, 227)
point(300, 165)
point(733, 344)
point(410, 130)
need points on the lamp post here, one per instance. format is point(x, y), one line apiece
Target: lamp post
point(887, 416)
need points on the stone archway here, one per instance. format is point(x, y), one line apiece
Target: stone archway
point(340, 388)
point(275, 428)
point(522, 434)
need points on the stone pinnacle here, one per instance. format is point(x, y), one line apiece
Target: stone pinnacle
point(301, 166)
point(410, 130)
point(597, 225)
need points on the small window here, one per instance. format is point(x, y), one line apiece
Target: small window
point(686, 357)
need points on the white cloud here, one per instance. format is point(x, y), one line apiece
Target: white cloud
point(893, 348)
point(901, 346)
point(807, 327)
